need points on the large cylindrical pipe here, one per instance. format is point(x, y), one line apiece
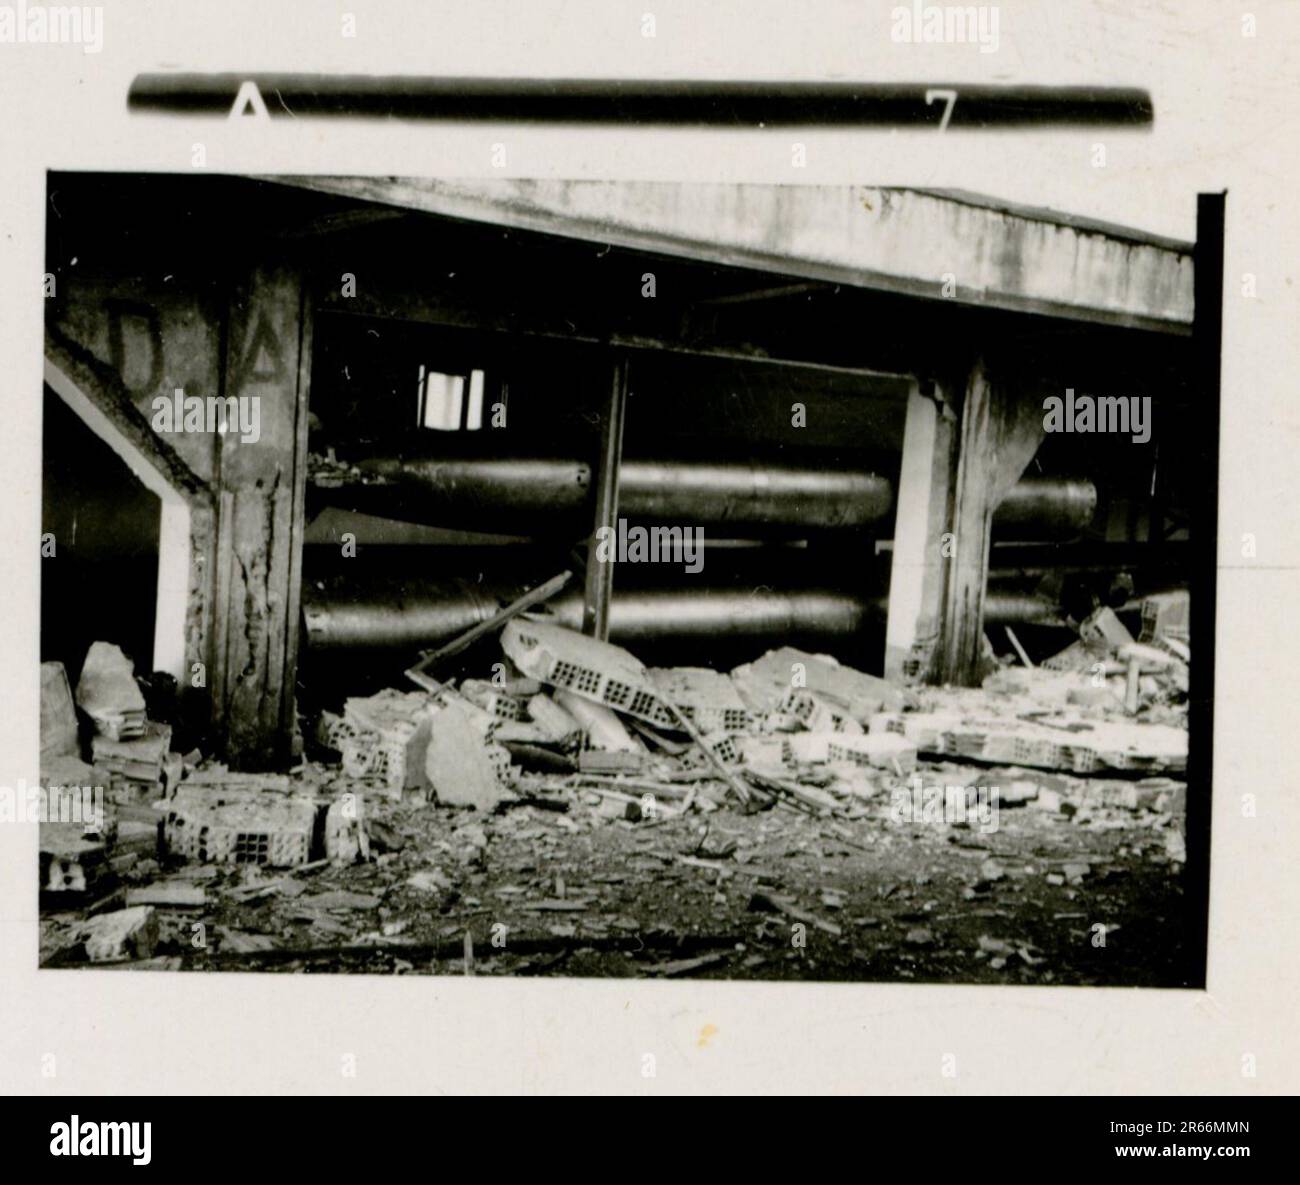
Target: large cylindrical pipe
point(523, 495)
point(418, 615)
point(518, 494)
point(1045, 508)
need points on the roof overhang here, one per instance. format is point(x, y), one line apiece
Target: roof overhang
point(927, 243)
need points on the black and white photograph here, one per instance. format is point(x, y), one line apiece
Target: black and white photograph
point(623, 579)
point(582, 549)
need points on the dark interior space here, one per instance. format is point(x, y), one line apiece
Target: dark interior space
point(105, 527)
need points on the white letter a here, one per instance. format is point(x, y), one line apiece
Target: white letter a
point(249, 97)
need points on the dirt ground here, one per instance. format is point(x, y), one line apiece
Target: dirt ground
point(1068, 888)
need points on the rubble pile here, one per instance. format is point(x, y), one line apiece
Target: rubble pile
point(567, 791)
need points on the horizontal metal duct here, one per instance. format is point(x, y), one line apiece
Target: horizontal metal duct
point(532, 495)
point(417, 614)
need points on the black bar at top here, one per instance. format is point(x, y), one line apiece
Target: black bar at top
point(661, 102)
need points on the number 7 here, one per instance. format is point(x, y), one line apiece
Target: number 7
point(948, 96)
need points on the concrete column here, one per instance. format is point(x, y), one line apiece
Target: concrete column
point(259, 536)
point(1001, 429)
point(922, 519)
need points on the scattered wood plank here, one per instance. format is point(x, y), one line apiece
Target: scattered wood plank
point(419, 673)
point(169, 894)
point(714, 760)
point(684, 966)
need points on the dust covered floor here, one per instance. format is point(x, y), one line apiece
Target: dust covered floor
point(1079, 882)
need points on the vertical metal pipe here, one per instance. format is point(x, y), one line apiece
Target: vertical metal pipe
point(600, 573)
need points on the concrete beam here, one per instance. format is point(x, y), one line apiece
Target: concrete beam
point(962, 247)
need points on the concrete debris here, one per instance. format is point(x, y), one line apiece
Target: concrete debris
point(383, 739)
point(58, 716)
point(780, 903)
point(66, 780)
point(600, 761)
point(493, 700)
point(1167, 616)
point(882, 750)
point(276, 834)
point(123, 934)
point(108, 693)
point(591, 670)
point(601, 725)
point(709, 700)
point(763, 684)
point(674, 967)
point(1103, 631)
point(548, 715)
point(346, 837)
point(462, 767)
point(805, 709)
point(221, 785)
point(1062, 741)
point(168, 894)
point(139, 760)
point(70, 861)
point(383, 868)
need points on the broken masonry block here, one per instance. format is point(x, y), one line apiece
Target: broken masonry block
point(598, 761)
point(139, 759)
point(599, 672)
point(600, 726)
point(887, 722)
point(1167, 615)
point(462, 766)
point(525, 732)
point(108, 693)
point(814, 714)
point(493, 700)
point(124, 934)
point(215, 784)
point(175, 894)
point(70, 862)
point(1081, 746)
point(708, 699)
point(276, 832)
point(135, 836)
point(346, 840)
point(763, 684)
point(724, 746)
point(765, 750)
point(1077, 657)
point(883, 750)
point(1103, 631)
point(58, 716)
point(553, 719)
point(383, 738)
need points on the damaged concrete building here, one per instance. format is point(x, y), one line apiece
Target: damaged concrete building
point(645, 507)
